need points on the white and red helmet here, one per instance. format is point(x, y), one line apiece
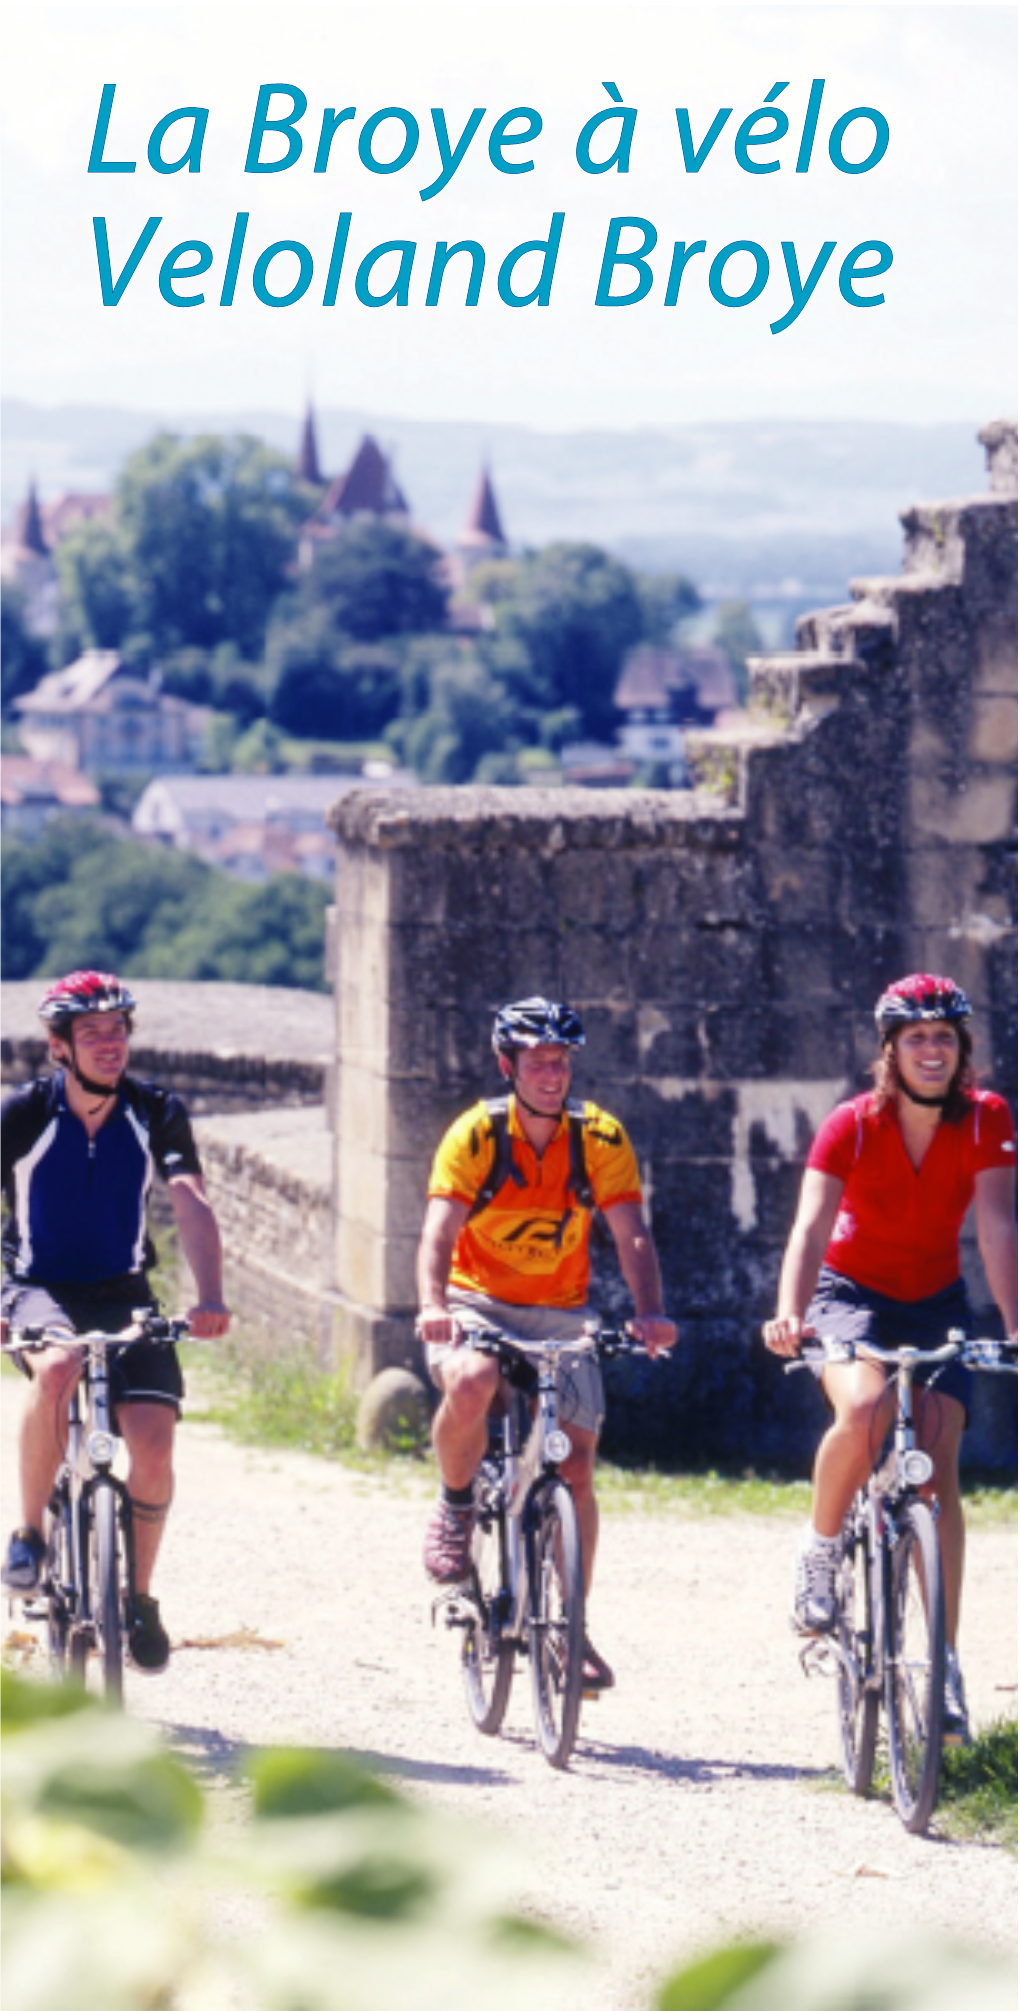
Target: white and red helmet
point(922, 996)
point(83, 992)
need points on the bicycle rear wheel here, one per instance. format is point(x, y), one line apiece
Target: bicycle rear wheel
point(556, 1591)
point(109, 1580)
point(487, 1656)
point(856, 1701)
point(915, 1666)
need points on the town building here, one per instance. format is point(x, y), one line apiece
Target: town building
point(31, 792)
point(248, 825)
point(99, 715)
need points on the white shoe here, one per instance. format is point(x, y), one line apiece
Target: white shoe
point(814, 1590)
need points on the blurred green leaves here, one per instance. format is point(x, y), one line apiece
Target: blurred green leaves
point(120, 1888)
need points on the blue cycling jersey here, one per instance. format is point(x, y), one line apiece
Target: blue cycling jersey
point(77, 1206)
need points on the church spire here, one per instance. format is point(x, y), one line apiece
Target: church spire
point(308, 453)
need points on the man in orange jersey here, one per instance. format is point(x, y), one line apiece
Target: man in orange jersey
point(505, 1244)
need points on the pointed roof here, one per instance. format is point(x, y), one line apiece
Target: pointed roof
point(30, 531)
point(308, 452)
point(483, 525)
point(368, 485)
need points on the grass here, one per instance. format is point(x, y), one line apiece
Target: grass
point(978, 1795)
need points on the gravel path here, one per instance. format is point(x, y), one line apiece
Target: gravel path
point(700, 1802)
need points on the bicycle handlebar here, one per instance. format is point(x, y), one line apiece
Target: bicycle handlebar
point(146, 1325)
point(979, 1353)
point(605, 1341)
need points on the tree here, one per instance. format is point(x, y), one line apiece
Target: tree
point(22, 654)
point(209, 527)
point(80, 896)
point(377, 579)
point(468, 718)
point(99, 591)
point(577, 610)
point(738, 636)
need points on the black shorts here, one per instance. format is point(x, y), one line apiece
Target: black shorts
point(142, 1373)
point(842, 1310)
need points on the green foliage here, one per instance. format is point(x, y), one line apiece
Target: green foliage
point(209, 527)
point(738, 636)
point(113, 1875)
point(81, 896)
point(377, 579)
point(98, 588)
point(469, 716)
point(978, 1792)
point(22, 654)
point(278, 1399)
point(895, 1970)
point(324, 685)
point(577, 611)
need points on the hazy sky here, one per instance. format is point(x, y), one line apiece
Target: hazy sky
point(942, 346)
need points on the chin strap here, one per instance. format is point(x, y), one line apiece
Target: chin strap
point(926, 1102)
point(546, 1116)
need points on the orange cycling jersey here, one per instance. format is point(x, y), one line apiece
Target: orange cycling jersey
point(529, 1246)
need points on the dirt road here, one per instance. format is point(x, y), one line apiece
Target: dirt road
point(700, 1803)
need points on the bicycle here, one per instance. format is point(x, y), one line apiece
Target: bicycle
point(888, 1646)
point(87, 1584)
point(525, 1596)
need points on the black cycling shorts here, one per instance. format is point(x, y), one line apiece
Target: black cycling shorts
point(843, 1310)
point(142, 1373)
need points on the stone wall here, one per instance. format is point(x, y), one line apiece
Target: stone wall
point(725, 947)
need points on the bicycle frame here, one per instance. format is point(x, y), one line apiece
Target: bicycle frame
point(86, 1594)
point(895, 1529)
point(526, 1595)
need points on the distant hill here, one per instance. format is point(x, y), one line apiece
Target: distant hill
point(765, 510)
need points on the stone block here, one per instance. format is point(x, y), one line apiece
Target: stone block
point(993, 730)
point(975, 811)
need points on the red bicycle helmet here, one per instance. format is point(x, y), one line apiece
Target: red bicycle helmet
point(85, 992)
point(921, 996)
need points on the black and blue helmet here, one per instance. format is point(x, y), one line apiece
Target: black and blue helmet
point(536, 1022)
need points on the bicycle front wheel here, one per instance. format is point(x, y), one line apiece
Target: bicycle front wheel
point(915, 1666)
point(487, 1655)
point(108, 1587)
point(857, 1699)
point(556, 1588)
point(59, 1579)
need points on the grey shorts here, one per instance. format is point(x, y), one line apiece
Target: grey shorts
point(579, 1382)
point(142, 1373)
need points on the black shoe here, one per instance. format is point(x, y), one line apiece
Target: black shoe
point(148, 1643)
point(597, 1674)
point(26, 1553)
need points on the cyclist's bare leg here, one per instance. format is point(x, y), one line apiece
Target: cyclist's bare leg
point(940, 1421)
point(148, 1433)
point(863, 1410)
point(43, 1431)
point(579, 1471)
point(459, 1430)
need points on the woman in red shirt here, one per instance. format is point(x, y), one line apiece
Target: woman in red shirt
point(874, 1255)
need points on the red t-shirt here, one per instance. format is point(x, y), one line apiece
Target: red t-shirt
point(898, 1226)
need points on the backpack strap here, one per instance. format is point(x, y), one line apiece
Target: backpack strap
point(580, 1184)
point(502, 1166)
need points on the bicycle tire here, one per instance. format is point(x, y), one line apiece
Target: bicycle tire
point(108, 1582)
point(487, 1657)
point(915, 1666)
point(857, 1703)
point(59, 1582)
point(556, 1634)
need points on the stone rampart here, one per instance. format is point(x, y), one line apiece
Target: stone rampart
point(725, 948)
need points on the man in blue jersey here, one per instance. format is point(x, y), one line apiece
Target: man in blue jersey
point(79, 1149)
